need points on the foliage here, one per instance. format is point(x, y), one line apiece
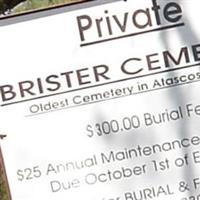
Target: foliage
point(18, 6)
point(35, 4)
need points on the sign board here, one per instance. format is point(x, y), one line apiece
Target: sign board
point(102, 103)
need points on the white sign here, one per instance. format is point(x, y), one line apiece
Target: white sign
point(103, 103)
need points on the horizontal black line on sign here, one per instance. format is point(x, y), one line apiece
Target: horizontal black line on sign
point(132, 34)
point(102, 84)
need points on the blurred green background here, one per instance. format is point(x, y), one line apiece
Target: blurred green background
point(8, 7)
point(35, 4)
